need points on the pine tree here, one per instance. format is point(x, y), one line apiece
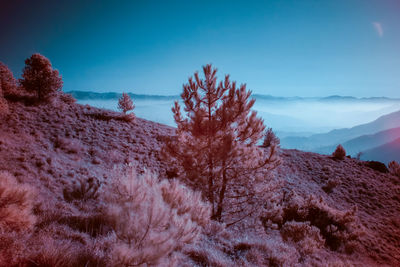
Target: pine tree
point(39, 77)
point(7, 81)
point(270, 139)
point(216, 146)
point(125, 103)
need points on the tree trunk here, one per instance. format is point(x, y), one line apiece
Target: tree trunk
point(218, 215)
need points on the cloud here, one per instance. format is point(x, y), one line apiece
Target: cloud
point(378, 28)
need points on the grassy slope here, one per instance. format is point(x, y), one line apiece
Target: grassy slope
point(49, 147)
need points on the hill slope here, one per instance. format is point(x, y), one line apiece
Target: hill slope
point(51, 147)
point(384, 153)
point(338, 136)
point(365, 142)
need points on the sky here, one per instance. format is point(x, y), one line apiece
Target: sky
point(282, 48)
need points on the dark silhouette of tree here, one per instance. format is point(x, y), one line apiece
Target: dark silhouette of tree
point(39, 77)
point(125, 103)
point(216, 146)
point(7, 80)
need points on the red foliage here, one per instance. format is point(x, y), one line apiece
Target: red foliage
point(216, 145)
point(39, 77)
point(8, 83)
point(125, 103)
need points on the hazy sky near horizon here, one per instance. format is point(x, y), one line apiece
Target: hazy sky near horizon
point(282, 48)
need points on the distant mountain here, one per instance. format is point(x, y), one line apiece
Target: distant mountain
point(364, 142)
point(384, 153)
point(84, 95)
point(114, 95)
point(334, 137)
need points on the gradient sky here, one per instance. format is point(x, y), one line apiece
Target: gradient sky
point(282, 48)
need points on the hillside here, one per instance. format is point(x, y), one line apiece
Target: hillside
point(384, 153)
point(335, 137)
point(365, 142)
point(50, 148)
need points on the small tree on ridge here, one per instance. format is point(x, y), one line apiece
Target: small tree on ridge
point(125, 103)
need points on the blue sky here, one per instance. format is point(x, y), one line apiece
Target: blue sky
point(282, 48)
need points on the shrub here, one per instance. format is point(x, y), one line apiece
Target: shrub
point(270, 139)
point(82, 189)
point(125, 103)
point(8, 84)
point(16, 203)
point(3, 105)
point(306, 237)
point(339, 152)
point(3, 102)
point(127, 117)
point(377, 166)
point(67, 98)
point(185, 201)
point(40, 78)
point(216, 148)
point(69, 145)
point(394, 168)
point(338, 228)
point(146, 224)
point(330, 185)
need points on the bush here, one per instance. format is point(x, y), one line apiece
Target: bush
point(306, 237)
point(8, 84)
point(67, 98)
point(3, 105)
point(83, 189)
point(40, 78)
point(394, 168)
point(3, 102)
point(270, 139)
point(338, 228)
point(146, 219)
point(377, 166)
point(331, 184)
point(16, 203)
point(185, 201)
point(339, 153)
point(69, 145)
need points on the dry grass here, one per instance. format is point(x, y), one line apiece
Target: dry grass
point(16, 204)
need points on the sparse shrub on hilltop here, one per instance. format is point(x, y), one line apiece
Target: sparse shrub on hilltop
point(40, 78)
point(8, 84)
point(16, 203)
point(150, 222)
point(339, 153)
point(394, 168)
point(216, 149)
